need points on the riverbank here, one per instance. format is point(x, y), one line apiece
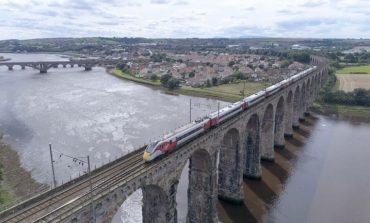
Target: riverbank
point(343, 111)
point(226, 92)
point(343, 108)
point(17, 184)
point(2, 59)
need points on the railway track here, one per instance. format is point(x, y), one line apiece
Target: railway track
point(85, 198)
point(65, 211)
point(64, 196)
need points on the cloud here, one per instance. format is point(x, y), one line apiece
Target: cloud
point(184, 18)
point(160, 1)
point(303, 24)
point(49, 13)
point(181, 2)
point(298, 24)
point(312, 4)
point(288, 12)
point(250, 8)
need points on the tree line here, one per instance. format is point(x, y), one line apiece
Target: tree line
point(360, 97)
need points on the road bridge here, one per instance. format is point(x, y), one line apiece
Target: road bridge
point(218, 161)
point(44, 66)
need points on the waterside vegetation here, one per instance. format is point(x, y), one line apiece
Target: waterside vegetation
point(6, 198)
point(330, 100)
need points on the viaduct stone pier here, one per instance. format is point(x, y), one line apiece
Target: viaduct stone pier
point(44, 66)
point(218, 161)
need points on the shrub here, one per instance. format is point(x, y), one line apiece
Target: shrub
point(164, 79)
point(173, 83)
point(153, 77)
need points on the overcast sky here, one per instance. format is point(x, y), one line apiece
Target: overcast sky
point(25, 19)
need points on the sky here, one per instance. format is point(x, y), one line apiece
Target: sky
point(29, 19)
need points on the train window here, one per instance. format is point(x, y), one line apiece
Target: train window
point(151, 147)
point(189, 133)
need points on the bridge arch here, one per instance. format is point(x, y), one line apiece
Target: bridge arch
point(230, 174)
point(296, 107)
point(252, 155)
point(302, 102)
point(289, 115)
point(280, 123)
point(267, 133)
point(307, 96)
point(158, 203)
point(155, 204)
point(316, 84)
point(322, 79)
point(311, 90)
point(202, 191)
point(308, 93)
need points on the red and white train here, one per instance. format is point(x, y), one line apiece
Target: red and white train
point(190, 131)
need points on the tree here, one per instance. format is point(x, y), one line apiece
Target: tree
point(231, 63)
point(192, 74)
point(153, 77)
point(208, 83)
point(361, 97)
point(238, 75)
point(214, 81)
point(164, 79)
point(286, 63)
point(123, 67)
point(173, 83)
point(301, 57)
point(350, 58)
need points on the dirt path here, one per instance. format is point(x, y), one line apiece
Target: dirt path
point(17, 180)
point(349, 82)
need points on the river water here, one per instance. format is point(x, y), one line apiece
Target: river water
point(321, 176)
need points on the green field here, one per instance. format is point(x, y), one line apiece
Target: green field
point(119, 73)
point(237, 88)
point(225, 92)
point(355, 70)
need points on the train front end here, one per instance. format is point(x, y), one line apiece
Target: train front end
point(151, 152)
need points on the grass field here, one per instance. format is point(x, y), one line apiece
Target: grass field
point(119, 73)
point(236, 89)
point(355, 70)
point(226, 92)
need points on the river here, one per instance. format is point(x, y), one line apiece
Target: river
point(320, 177)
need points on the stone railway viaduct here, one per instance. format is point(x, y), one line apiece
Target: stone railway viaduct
point(218, 161)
